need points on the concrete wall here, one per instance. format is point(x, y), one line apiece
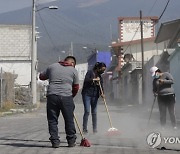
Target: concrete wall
point(22, 69)
point(148, 79)
point(115, 86)
point(15, 51)
point(15, 42)
point(131, 84)
point(128, 80)
point(136, 83)
point(126, 85)
point(151, 52)
point(175, 71)
point(82, 70)
point(130, 27)
point(150, 49)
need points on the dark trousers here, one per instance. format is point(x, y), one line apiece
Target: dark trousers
point(90, 102)
point(55, 104)
point(167, 102)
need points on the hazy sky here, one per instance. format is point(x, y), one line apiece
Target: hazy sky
point(86, 28)
point(87, 3)
point(11, 5)
point(130, 5)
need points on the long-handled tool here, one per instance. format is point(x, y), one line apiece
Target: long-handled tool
point(111, 130)
point(84, 141)
point(151, 109)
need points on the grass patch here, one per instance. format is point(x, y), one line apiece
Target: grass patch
point(6, 106)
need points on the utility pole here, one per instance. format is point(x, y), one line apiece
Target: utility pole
point(71, 48)
point(34, 56)
point(1, 90)
point(110, 28)
point(142, 51)
point(34, 52)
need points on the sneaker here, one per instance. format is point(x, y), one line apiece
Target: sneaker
point(95, 131)
point(85, 131)
point(55, 145)
point(72, 144)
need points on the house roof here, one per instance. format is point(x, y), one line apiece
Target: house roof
point(138, 18)
point(120, 44)
point(169, 31)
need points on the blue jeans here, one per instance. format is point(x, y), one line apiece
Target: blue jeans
point(65, 104)
point(88, 102)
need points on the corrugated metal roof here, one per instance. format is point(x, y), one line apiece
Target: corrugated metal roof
point(168, 31)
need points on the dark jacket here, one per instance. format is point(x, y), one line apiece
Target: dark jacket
point(90, 87)
point(166, 87)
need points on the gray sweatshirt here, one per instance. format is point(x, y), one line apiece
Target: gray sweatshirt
point(61, 79)
point(166, 87)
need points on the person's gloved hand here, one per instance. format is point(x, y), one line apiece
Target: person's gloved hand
point(96, 79)
point(161, 81)
point(102, 95)
point(155, 94)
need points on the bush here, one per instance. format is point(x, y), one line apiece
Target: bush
point(6, 106)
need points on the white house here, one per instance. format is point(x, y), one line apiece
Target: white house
point(129, 47)
point(15, 51)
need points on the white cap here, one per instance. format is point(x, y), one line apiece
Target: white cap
point(153, 70)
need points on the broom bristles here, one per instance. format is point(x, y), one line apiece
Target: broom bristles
point(113, 131)
point(85, 143)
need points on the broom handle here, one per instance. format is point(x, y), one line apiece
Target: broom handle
point(105, 104)
point(151, 110)
point(77, 123)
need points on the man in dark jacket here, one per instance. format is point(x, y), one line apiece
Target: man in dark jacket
point(162, 88)
point(63, 86)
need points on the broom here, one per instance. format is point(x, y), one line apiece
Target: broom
point(84, 141)
point(111, 130)
point(151, 110)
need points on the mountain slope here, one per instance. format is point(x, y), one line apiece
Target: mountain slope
point(83, 22)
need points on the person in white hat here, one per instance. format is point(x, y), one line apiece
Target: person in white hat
point(162, 88)
point(153, 70)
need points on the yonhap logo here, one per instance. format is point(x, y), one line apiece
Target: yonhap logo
point(154, 140)
point(172, 140)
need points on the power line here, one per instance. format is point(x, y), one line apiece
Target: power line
point(160, 15)
point(152, 7)
point(50, 38)
point(164, 10)
point(62, 25)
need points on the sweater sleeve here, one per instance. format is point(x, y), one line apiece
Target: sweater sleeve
point(43, 75)
point(75, 89)
point(75, 86)
point(168, 79)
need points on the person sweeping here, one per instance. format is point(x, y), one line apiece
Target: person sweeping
point(163, 90)
point(90, 94)
point(63, 86)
